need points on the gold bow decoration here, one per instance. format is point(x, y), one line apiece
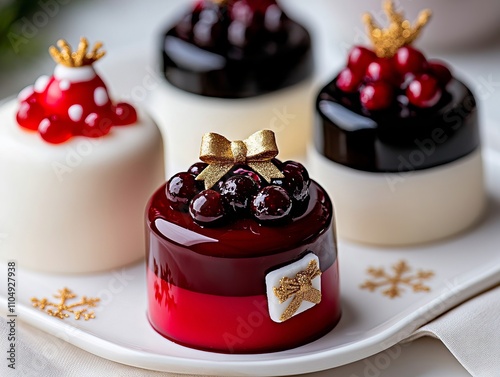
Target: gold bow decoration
point(221, 155)
point(300, 288)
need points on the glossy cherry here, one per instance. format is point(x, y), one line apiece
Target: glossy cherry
point(95, 125)
point(180, 189)
point(209, 30)
point(290, 165)
point(359, 59)
point(197, 168)
point(294, 184)
point(348, 81)
point(207, 208)
point(382, 69)
point(440, 71)
point(124, 114)
point(238, 192)
point(256, 6)
point(250, 173)
point(377, 96)
point(409, 60)
point(271, 205)
point(424, 91)
point(30, 114)
point(54, 130)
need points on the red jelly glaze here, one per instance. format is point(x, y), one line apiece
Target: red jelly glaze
point(221, 271)
point(54, 102)
point(232, 324)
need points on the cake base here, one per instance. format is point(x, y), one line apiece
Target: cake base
point(184, 117)
point(76, 207)
point(231, 324)
point(391, 209)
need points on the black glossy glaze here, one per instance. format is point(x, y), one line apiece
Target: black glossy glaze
point(400, 138)
point(269, 62)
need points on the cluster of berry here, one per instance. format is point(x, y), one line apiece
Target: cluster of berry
point(241, 193)
point(406, 76)
point(238, 22)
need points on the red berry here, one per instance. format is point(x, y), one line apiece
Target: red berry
point(410, 60)
point(377, 96)
point(292, 165)
point(208, 31)
point(95, 125)
point(207, 208)
point(242, 12)
point(440, 71)
point(197, 168)
point(249, 173)
point(181, 188)
point(424, 91)
point(272, 204)
point(258, 6)
point(348, 81)
point(55, 130)
point(294, 184)
point(382, 70)
point(125, 114)
point(238, 191)
point(360, 58)
point(30, 114)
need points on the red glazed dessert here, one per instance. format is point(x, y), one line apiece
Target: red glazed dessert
point(246, 261)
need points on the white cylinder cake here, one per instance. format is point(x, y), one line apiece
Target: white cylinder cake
point(395, 209)
point(75, 184)
point(234, 68)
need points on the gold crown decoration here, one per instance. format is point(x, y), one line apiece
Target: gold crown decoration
point(399, 33)
point(79, 58)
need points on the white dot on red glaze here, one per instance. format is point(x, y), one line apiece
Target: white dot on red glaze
point(64, 85)
point(44, 124)
point(41, 83)
point(91, 118)
point(75, 113)
point(100, 96)
point(25, 93)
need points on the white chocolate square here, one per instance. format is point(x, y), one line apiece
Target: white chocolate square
point(276, 309)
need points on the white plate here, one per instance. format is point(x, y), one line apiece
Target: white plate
point(371, 322)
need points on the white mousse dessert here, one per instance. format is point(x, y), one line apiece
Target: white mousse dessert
point(77, 171)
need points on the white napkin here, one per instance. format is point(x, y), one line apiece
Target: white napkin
point(471, 332)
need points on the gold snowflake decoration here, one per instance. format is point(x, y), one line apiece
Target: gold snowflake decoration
point(394, 282)
point(63, 309)
point(399, 33)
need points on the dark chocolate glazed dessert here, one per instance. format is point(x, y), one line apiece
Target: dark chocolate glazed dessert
point(236, 49)
point(406, 130)
point(234, 67)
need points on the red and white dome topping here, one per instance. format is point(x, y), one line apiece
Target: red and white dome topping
point(74, 101)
